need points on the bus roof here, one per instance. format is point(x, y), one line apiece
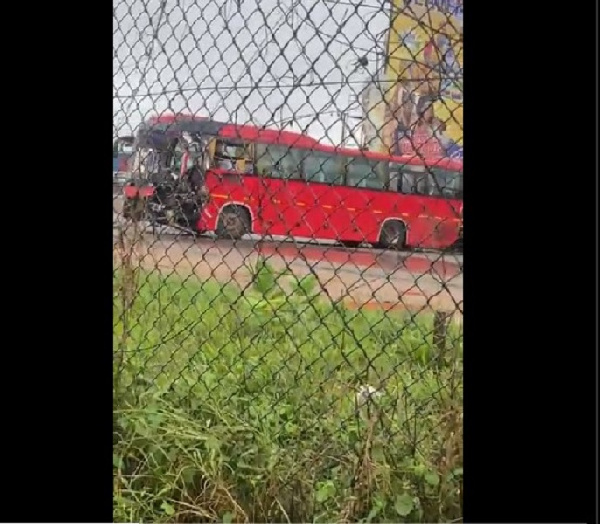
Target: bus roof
point(292, 139)
point(175, 123)
point(413, 160)
point(183, 122)
point(267, 136)
point(453, 164)
point(170, 118)
point(204, 126)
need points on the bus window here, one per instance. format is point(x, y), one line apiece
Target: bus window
point(143, 162)
point(232, 156)
point(122, 152)
point(395, 178)
point(449, 184)
point(179, 149)
point(415, 180)
point(362, 172)
point(279, 162)
point(327, 168)
point(123, 145)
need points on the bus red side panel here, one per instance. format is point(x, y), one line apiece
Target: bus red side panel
point(446, 223)
point(325, 212)
point(430, 222)
point(320, 211)
point(230, 189)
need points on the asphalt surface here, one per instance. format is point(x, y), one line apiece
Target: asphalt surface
point(363, 275)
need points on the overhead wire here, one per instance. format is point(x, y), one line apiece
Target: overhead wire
point(275, 85)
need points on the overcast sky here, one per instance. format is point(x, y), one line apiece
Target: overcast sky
point(211, 58)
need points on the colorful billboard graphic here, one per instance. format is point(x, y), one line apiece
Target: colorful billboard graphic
point(373, 114)
point(420, 110)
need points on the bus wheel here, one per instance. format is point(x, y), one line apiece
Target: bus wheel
point(128, 209)
point(133, 209)
point(234, 223)
point(393, 235)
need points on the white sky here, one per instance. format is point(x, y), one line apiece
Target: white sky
point(208, 55)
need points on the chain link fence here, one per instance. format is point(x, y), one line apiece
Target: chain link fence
point(287, 261)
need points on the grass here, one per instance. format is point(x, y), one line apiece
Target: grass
point(241, 406)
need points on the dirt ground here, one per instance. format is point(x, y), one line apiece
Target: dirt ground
point(371, 287)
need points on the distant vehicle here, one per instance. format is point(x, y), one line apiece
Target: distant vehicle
point(273, 182)
point(122, 152)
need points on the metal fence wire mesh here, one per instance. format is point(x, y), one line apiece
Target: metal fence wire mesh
point(287, 261)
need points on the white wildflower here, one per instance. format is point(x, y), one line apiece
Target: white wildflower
point(366, 394)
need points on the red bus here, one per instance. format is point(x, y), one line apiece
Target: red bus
point(272, 182)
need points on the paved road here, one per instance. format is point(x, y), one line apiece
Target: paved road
point(361, 275)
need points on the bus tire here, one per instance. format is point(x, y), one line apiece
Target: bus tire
point(234, 222)
point(127, 209)
point(393, 235)
point(133, 209)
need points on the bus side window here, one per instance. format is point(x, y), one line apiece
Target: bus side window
point(222, 158)
point(415, 180)
point(290, 162)
point(212, 148)
point(365, 173)
point(249, 159)
point(424, 185)
point(276, 161)
point(263, 160)
point(326, 168)
point(407, 184)
point(449, 183)
point(395, 181)
point(232, 156)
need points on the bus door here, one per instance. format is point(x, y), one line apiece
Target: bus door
point(230, 160)
point(446, 205)
point(417, 205)
point(432, 202)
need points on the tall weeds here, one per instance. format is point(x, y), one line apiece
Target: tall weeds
point(126, 286)
point(241, 407)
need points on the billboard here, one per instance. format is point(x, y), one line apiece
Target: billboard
point(373, 113)
point(420, 107)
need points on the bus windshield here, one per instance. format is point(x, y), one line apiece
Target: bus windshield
point(149, 162)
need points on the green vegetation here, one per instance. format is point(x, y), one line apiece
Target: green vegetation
point(241, 406)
